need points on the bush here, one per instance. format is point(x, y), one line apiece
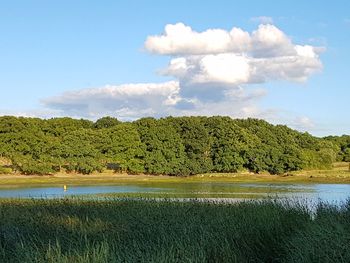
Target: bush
point(84, 165)
point(27, 165)
point(5, 170)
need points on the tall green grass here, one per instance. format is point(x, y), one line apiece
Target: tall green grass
point(72, 230)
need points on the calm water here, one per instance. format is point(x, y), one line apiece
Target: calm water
point(334, 193)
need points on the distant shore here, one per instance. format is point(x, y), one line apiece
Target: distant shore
point(339, 174)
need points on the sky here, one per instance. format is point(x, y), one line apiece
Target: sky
point(283, 61)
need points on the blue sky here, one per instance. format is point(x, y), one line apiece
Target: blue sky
point(56, 58)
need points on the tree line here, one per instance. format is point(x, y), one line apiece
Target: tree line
point(172, 146)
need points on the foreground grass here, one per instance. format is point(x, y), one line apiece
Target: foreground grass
point(73, 230)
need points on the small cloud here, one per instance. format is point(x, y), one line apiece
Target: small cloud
point(303, 123)
point(32, 113)
point(262, 19)
point(321, 42)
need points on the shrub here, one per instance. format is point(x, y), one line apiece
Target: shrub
point(5, 170)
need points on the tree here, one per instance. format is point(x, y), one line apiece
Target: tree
point(124, 147)
point(174, 146)
point(229, 142)
point(165, 153)
point(106, 122)
point(78, 152)
point(197, 143)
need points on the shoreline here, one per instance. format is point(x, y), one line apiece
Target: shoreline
point(333, 176)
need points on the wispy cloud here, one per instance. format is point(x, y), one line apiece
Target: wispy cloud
point(125, 101)
point(303, 123)
point(262, 19)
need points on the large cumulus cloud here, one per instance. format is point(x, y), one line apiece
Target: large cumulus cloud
point(234, 57)
point(215, 72)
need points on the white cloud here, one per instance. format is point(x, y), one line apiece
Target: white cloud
point(31, 113)
point(181, 39)
point(302, 123)
point(269, 41)
point(226, 68)
point(290, 68)
point(212, 72)
point(124, 101)
point(133, 101)
point(268, 54)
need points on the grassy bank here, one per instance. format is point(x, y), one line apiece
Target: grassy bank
point(339, 174)
point(149, 231)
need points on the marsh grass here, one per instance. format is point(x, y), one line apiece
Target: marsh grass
point(147, 230)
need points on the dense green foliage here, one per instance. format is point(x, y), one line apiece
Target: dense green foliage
point(343, 144)
point(110, 231)
point(173, 146)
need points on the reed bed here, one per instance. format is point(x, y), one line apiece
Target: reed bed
point(146, 230)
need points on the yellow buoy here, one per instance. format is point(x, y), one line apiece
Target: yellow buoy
point(64, 188)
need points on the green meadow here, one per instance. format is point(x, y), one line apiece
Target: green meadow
point(145, 230)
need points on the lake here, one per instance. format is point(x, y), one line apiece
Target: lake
point(333, 193)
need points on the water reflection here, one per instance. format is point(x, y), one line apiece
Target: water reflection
point(334, 193)
point(58, 192)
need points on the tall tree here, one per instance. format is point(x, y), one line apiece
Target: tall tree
point(165, 153)
point(197, 143)
point(123, 146)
